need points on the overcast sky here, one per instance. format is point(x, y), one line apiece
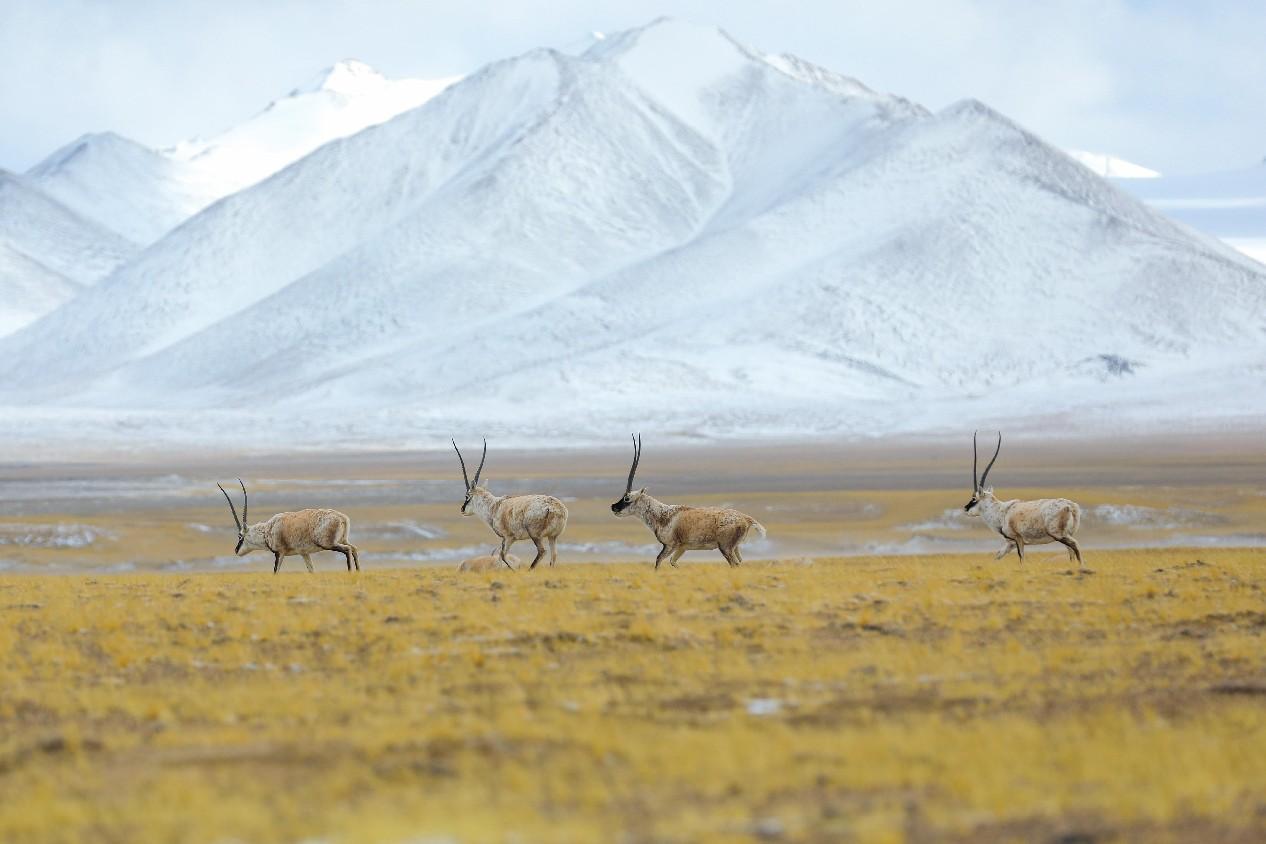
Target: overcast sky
point(1174, 85)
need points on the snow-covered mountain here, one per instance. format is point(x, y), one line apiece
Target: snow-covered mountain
point(48, 253)
point(142, 193)
point(672, 231)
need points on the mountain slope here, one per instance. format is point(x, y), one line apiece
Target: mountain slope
point(47, 252)
point(28, 289)
point(673, 228)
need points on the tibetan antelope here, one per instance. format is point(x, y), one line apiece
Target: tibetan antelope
point(1023, 523)
point(540, 518)
point(680, 528)
point(301, 533)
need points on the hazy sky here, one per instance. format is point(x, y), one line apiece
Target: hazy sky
point(1177, 86)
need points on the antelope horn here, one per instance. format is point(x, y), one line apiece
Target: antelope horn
point(975, 482)
point(246, 505)
point(480, 470)
point(985, 476)
point(232, 509)
point(465, 477)
point(637, 455)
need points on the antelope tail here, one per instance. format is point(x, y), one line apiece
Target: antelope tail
point(1075, 520)
point(758, 527)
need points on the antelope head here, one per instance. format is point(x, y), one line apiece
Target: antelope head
point(978, 489)
point(630, 497)
point(471, 486)
point(249, 537)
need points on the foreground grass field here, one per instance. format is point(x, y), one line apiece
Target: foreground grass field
point(872, 699)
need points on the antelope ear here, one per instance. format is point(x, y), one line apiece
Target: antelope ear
point(642, 491)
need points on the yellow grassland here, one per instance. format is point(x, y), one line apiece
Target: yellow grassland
point(867, 699)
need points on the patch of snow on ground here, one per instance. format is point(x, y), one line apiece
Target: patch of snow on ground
point(52, 536)
point(952, 518)
point(1147, 518)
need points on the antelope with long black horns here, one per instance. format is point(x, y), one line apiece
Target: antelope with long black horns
point(680, 528)
point(540, 518)
point(302, 533)
point(1023, 523)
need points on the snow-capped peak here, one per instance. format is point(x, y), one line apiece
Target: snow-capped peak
point(309, 117)
point(687, 44)
point(90, 143)
point(349, 77)
point(120, 184)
